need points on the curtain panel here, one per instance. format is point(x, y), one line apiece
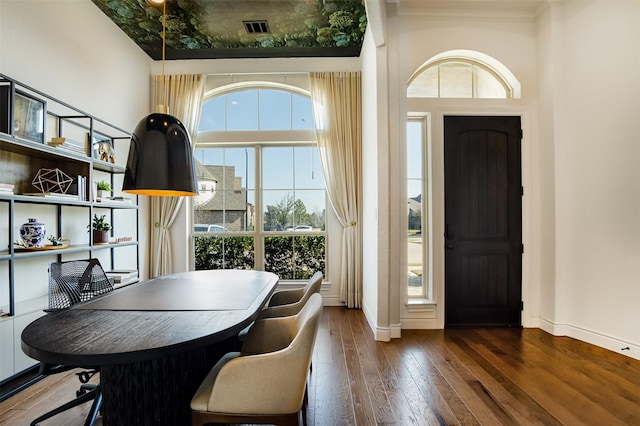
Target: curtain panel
point(337, 108)
point(183, 95)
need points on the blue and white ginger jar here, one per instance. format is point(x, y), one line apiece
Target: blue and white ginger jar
point(32, 233)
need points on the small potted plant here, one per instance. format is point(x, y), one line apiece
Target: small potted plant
point(100, 228)
point(102, 186)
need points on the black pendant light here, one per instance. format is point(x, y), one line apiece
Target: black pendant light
point(160, 161)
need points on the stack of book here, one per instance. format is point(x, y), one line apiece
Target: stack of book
point(54, 195)
point(6, 188)
point(122, 277)
point(119, 199)
point(81, 183)
point(69, 144)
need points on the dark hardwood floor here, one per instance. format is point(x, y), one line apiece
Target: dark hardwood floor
point(440, 377)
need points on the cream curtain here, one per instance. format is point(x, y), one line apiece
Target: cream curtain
point(183, 95)
point(337, 109)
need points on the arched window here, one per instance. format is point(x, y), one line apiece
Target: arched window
point(263, 201)
point(270, 107)
point(463, 74)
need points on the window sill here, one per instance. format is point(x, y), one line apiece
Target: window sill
point(420, 305)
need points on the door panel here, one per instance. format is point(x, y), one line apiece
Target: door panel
point(483, 214)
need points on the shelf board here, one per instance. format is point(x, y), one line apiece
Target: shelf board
point(65, 201)
point(108, 167)
point(4, 254)
point(32, 305)
point(112, 245)
point(28, 306)
point(45, 200)
point(35, 149)
point(114, 205)
point(40, 253)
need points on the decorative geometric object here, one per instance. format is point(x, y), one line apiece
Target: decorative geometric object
point(52, 180)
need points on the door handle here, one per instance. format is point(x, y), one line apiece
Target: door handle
point(448, 235)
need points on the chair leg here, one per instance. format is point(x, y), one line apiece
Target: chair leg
point(95, 408)
point(305, 402)
point(93, 394)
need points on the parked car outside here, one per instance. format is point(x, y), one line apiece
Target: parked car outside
point(298, 228)
point(203, 227)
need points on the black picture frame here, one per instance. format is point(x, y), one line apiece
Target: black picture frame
point(28, 117)
point(6, 88)
point(102, 148)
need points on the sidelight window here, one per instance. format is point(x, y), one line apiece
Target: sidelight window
point(417, 211)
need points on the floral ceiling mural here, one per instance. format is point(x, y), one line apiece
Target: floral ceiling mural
point(203, 29)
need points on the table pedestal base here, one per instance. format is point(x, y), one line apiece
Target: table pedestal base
point(157, 392)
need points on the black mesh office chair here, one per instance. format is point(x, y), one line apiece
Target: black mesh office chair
point(73, 282)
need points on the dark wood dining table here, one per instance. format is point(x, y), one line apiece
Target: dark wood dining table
point(153, 341)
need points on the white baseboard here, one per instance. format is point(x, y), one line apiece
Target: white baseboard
point(420, 324)
point(611, 343)
point(604, 341)
point(381, 334)
point(395, 331)
point(331, 300)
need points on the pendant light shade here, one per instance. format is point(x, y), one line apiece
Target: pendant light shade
point(160, 161)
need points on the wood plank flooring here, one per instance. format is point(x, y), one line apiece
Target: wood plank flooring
point(436, 377)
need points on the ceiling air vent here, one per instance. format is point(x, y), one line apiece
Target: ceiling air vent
point(256, 27)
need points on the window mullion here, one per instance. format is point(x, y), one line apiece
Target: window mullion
point(259, 208)
point(258, 109)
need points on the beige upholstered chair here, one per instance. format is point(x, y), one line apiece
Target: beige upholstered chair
point(266, 382)
point(285, 303)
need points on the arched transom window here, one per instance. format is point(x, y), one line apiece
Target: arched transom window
point(463, 74)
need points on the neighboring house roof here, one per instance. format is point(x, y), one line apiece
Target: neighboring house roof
point(229, 194)
point(415, 204)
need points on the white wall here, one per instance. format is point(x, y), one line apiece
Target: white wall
point(597, 180)
point(550, 85)
point(70, 50)
point(370, 224)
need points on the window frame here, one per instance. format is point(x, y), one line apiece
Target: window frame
point(257, 140)
point(427, 294)
point(474, 64)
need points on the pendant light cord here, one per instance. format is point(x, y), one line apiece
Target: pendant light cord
point(164, 34)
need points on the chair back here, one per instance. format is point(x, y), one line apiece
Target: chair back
point(269, 377)
point(312, 287)
point(76, 281)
